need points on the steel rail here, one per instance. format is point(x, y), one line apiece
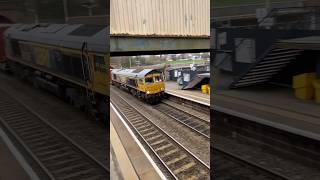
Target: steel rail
point(161, 131)
point(193, 118)
point(272, 174)
point(45, 143)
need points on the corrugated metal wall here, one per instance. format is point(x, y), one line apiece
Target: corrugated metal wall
point(160, 17)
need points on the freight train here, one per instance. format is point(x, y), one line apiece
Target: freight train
point(71, 61)
point(146, 84)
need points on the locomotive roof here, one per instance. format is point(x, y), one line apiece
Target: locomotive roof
point(63, 35)
point(134, 72)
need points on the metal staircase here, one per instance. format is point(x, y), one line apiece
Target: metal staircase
point(270, 64)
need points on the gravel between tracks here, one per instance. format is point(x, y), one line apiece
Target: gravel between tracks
point(194, 142)
point(181, 107)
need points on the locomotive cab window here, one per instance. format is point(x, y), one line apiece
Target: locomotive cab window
point(157, 79)
point(99, 64)
point(149, 79)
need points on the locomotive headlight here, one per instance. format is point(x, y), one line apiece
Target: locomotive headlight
point(148, 92)
point(162, 89)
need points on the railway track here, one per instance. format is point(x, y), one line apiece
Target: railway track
point(272, 152)
point(177, 160)
point(194, 123)
point(55, 154)
point(188, 103)
point(241, 169)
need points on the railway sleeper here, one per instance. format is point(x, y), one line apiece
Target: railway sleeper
point(21, 128)
point(184, 168)
point(146, 129)
point(154, 137)
point(9, 110)
point(8, 106)
point(179, 158)
point(47, 148)
point(18, 119)
point(56, 157)
point(164, 147)
point(148, 133)
point(42, 144)
point(62, 158)
point(18, 122)
point(28, 137)
point(77, 175)
point(35, 133)
point(160, 142)
point(69, 168)
point(39, 139)
point(131, 116)
point(136, 120)
point(141, 125)
point(170, 153)
point(64, 162)
point(53, 151)
point(130, 113)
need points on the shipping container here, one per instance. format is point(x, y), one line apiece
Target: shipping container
point(168, 18)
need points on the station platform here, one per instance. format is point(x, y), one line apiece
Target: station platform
point(12, 164)
point(271, 105)
point(129, 160)
point(192, 95)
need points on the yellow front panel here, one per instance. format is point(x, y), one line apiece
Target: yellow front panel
point(41, 56)
point(101, 77)
point(153, 88)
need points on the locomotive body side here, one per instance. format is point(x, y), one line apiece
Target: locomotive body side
point(62, 64)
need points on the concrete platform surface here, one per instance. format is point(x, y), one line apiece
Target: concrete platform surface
point(193, 95)
point(131, 159)
point(276, 105)
point(12, 167)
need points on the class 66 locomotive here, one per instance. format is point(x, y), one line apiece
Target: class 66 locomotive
point(70, 61)
point(146, 84)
